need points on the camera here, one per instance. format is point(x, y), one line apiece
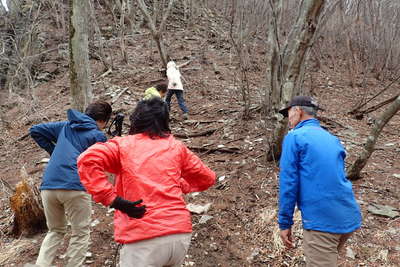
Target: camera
point(117, 122)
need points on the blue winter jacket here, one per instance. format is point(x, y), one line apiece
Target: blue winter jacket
point(65, 141)
point(312, 175)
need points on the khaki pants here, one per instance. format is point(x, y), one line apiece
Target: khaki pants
point(322, 249)
point(61, 207)
point(161, 251)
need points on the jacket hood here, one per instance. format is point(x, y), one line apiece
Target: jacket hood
point(80, 121)
point(171, 64)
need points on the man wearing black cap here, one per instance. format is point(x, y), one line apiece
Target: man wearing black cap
point(312, 176)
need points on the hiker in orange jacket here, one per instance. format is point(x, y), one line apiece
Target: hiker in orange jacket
point(148, 164)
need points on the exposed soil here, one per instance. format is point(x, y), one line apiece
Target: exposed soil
point(243, 230)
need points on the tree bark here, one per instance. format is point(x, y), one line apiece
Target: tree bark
point(292, 57)
point(81, 90)
point(355, 169)
point(273, 58)
point(28, 211)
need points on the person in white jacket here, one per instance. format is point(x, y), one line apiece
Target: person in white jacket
point(175, 87)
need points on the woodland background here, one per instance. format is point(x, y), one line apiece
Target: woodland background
point(242, 61)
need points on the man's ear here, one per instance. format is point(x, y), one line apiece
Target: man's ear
point(301, 112)
point(101, 124)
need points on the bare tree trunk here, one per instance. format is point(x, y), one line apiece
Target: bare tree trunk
point(157, 33)
point(355, 169)
point(293, 56)
point(274, 64)
point(122, 32)
point(103, 57)
point(81, 89)
point(131, 15)
point(241, 42)
point(349, 54)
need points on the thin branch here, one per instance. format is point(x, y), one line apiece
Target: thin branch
point(166, 14)
point(354, 110)
point(145, 12)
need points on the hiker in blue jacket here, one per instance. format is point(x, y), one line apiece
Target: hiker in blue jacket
point(312, 175)
point(63, 196)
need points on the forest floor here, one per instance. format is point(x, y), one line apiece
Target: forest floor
point(243, 228)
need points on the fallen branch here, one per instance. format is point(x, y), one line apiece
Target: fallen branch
point(203, 133)
point(119, 95)
point(105, 74)
point(208, 150)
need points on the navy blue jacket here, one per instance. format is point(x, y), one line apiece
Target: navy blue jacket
point(65, 141)
point(312, 175)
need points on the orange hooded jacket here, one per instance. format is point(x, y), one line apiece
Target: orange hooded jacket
point(148, 169)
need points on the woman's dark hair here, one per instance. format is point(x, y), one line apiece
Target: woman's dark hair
point(150, 117)
point(99, 111)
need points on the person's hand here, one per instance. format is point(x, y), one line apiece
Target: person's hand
point(129, 207)
point(286, 236)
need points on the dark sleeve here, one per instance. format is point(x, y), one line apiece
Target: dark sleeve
point(46, 134)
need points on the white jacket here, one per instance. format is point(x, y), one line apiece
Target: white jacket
point(174, 76)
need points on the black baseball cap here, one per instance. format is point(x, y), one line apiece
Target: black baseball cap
point(305, 101)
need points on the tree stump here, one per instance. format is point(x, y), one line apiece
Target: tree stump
point(28, 211)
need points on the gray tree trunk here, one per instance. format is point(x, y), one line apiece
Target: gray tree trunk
point(81, 90)
point(286, 81)
point(273, 59)
point(354, 170)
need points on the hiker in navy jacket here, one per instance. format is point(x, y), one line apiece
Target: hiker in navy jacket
point(63, 196)
point(312, 175)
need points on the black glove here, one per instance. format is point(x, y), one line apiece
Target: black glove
point(129, 207)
